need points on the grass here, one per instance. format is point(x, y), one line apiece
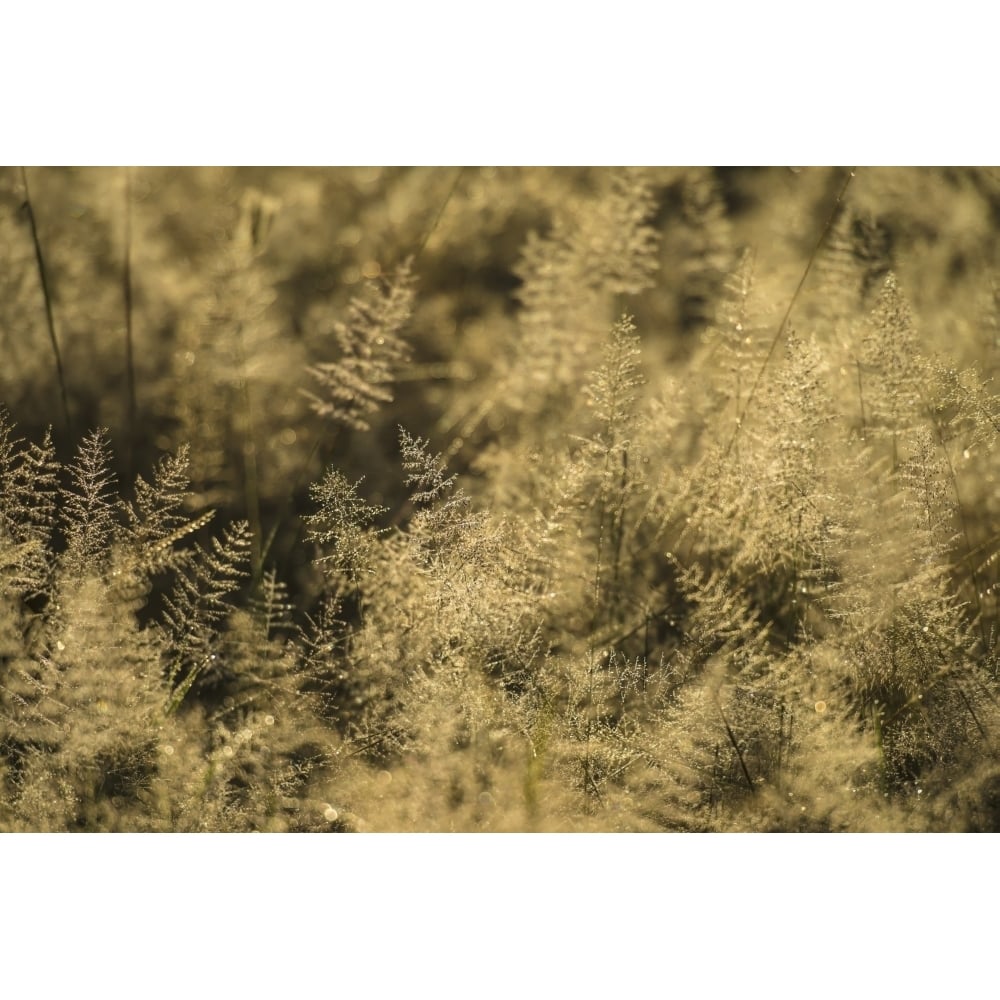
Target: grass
point(572, 521)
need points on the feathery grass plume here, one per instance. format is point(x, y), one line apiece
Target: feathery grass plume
point(974, 405)
point(580, 510)
point(966, 417)
point(905, 638)
point(928, 498)
point(595, 572)
point(733, 340)
point(571, 278)
point(81, 693)
point(612, 389)
point(84, 702)
point(340, 650)
point(102, 683)
point(915, 681)
point(261, 656)
point(156, 512)
point(28, 505)
point(839, 276)
point(372, 350)
point(153, 522)
point(738, 592)
point(819, 770)
point(342, 528)
point(148, 528)
point(324, 643)
point(614, 244)
point(198, 604)
point(891, 368)
point(600, 247)
point(268, 738)
point(271, 608)
point(792, 543)
point(443, 518)
point(458, 769)
point(88, 507)
point(611, 480)
point(348, 551)
point(482, 598)
point(667, 442)
point(447, 595)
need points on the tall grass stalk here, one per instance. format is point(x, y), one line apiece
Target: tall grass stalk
point(47, 297)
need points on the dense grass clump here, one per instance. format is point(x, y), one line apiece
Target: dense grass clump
point(516, 499)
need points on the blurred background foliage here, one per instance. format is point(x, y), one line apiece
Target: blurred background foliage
point(238, 275)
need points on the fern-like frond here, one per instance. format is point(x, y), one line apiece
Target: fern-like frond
point(199, 603)
point(372, 349)
point(342, 527)
point(28, 503)
point(614, 246)
point(156, 512)
point(425, 472)
point(89, 503)
point(613, 388)
point(893, 370)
